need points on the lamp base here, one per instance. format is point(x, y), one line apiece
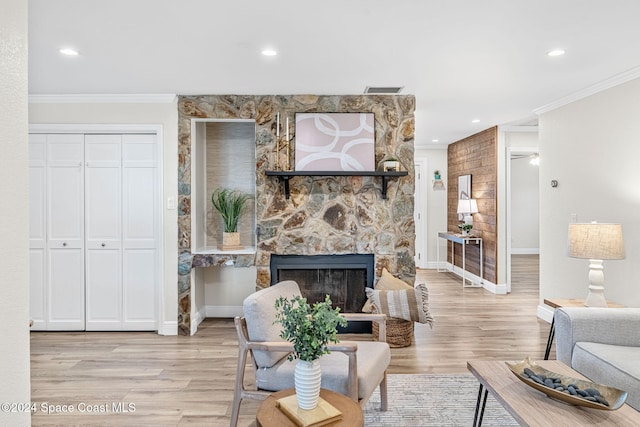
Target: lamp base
point(595, 297)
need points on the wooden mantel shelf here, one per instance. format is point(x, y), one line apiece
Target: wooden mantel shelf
point(285, 176)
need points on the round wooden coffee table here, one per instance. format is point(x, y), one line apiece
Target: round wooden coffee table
point(271, 416)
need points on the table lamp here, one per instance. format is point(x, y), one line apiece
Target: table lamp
point(466, 207)
point(596, 242)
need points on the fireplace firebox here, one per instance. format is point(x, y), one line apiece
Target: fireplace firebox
point(342, 277)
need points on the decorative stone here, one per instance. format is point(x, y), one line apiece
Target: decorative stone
point(296, 220)
point(335, 216)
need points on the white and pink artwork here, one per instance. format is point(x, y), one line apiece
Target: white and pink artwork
point(335, 142)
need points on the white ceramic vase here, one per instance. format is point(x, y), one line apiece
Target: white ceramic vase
point(307, 379)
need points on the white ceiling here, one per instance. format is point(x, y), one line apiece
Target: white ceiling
point(462, 59)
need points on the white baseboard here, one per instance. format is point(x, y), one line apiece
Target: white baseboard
point(545, 313)
point(169, 327)
point(500, 289)
point(196, 319)
point(225, 311)
point(525, 251)
point(434, 265)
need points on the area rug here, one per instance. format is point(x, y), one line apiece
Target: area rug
point(433, 400)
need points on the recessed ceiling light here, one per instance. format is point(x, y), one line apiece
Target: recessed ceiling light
point(269, 52)
point(475, 121)
point(69, 52)
point(556, 52)
point(434, 140)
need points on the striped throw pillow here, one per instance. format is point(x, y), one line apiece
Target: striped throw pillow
point(403, 304)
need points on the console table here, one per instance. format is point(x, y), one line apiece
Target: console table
point(463, 241)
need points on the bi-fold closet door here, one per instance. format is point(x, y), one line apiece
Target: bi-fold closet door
point(102, 213)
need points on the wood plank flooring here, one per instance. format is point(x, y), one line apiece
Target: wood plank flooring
point(181, 380)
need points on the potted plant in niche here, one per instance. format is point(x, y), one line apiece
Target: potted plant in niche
point(436, 174)
point(231, 205)
point(310, 329)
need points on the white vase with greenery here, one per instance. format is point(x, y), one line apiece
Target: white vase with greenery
point(310, 329)
point(231, 205)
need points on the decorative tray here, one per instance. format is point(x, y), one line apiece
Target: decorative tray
point(574, 391)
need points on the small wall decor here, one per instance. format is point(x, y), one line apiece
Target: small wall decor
point(335, 142)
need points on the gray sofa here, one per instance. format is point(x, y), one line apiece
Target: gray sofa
point(602, 344)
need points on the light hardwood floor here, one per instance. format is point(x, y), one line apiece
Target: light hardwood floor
point(181, 380)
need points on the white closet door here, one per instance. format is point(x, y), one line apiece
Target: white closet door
point(140, 231)
point(103, 217)
point(37, 231)
point(65, 232)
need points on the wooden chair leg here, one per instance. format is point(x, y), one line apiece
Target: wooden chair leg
point(237, 393)
point(383, 393)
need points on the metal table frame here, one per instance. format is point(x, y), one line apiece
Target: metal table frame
point(463, 241)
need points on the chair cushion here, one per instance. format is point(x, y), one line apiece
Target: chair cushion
point(373, 359)
point(387, 282)
point(403, 304)
point(260, 314)
point(613, 365)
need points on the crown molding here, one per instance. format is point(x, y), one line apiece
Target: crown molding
point(616, 80)
point(151, 98)
point(515, 128)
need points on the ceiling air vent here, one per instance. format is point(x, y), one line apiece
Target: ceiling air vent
point(383, 89)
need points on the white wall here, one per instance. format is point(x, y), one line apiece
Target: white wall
point(591, 147)
point(436, 159)
point(164, 114)
point(14, 286)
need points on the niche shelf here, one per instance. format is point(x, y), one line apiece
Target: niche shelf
point(285, 176)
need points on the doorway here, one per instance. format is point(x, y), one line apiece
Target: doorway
point(523, 194)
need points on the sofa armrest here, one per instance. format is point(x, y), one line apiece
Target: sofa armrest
point(615, 326)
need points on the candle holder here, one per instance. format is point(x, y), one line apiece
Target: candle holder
point(282, 144)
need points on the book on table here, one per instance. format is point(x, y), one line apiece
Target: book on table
point(322, 414)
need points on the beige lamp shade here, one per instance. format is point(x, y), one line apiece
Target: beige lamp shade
point(467, 206)
point(596, 241)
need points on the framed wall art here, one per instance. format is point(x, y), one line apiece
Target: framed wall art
point(335, 142)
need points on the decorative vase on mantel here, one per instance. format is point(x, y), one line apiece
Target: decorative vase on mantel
point(307, 379)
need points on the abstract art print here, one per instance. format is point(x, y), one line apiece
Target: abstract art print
point(335, 142)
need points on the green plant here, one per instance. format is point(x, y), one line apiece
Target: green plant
point(309, 329)
point(230, 204)
point(465, 227)
point(436, 172)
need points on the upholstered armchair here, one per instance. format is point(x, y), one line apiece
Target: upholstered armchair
point(353, 368)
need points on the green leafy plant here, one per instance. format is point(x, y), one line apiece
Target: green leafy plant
point(230, 204)
point(309, 328)
point(465, 227)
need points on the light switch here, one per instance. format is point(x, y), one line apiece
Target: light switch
point(171, 203)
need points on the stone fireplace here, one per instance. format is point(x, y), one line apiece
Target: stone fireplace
point(325, 215)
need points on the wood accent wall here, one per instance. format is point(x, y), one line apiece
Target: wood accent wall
point(477, 156)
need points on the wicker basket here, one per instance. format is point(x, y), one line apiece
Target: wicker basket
point(399, 332)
